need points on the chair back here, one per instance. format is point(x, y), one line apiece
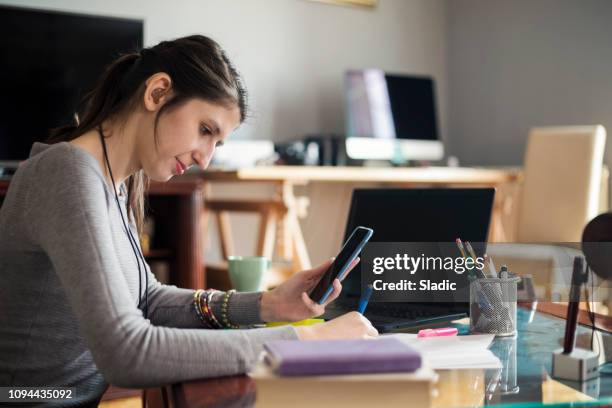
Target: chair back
point(562, 182)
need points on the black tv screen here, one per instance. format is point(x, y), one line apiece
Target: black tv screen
point(49, 61)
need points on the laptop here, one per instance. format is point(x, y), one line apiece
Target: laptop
point(413, 215)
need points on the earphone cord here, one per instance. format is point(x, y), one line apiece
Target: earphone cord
point(131, 238)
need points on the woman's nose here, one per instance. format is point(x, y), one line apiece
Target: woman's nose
point(207, 159)
point(204, 156)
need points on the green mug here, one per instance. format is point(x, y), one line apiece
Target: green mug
point(247, 272)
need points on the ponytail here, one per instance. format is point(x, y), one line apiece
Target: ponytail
point(102, 102)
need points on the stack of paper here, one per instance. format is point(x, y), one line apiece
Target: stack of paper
point(453, 352)
point(335, 373)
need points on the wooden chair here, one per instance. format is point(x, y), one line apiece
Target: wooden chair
point(564, 187)
point(160, 397)
point(562, 182)
point(279, 233)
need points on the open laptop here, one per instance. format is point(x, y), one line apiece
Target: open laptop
point(413, 215)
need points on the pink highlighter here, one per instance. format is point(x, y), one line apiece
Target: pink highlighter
point(445, 331)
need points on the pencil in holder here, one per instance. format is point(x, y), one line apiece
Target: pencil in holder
point(493, 305)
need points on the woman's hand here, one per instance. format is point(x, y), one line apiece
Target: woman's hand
point(352, 325)
point(289, 301)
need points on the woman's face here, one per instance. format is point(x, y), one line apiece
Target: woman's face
point(187, 135)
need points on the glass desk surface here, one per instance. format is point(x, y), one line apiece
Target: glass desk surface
point(525, 379)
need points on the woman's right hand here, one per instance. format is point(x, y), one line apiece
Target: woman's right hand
point(352, 325)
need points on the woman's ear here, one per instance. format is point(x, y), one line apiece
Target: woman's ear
point(157, 91)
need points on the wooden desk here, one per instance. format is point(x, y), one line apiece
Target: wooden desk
point(405, 176)
point(176, 208)
point(291, 244)
point(530, 384)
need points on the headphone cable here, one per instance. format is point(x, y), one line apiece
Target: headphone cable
point(133, 244)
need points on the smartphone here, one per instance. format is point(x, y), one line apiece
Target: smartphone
point(338, 269)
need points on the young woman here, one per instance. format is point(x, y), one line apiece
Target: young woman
point(79, 306)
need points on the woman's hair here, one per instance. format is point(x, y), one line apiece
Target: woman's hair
point(198, 68)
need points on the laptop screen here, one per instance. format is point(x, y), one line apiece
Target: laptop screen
point(418, 215)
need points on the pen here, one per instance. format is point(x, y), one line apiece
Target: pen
point(503, 272)
point(492, 269)
point(461, 249)
point(474, 273)
point(480, 272)
point(365, 298)
point(470, 249)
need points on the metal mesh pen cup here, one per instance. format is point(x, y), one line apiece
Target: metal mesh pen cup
point(493, 306)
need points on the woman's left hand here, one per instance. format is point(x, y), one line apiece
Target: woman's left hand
point(289, 302)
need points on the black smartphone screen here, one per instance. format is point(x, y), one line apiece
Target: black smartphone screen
point(350, 250)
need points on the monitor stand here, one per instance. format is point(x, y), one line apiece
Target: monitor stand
point(398, 159)
point(397, 151)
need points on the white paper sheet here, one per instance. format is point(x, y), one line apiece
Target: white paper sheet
point(453, 352)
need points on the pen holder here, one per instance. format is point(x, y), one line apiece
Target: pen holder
point(493, 305)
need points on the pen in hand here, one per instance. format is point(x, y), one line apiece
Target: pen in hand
point(365, 298)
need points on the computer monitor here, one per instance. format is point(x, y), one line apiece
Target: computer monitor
point(50, 60)
point(391, 117)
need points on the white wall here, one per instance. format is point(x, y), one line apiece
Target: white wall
point(292, 53)
point(522, 63)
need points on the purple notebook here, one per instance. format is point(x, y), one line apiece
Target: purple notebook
point(320, 357)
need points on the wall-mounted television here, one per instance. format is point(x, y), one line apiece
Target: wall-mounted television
point(49, 61)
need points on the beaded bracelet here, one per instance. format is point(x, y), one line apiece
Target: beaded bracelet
point(202, 300)
point(207, 310)
point(197, 306)
point(224, 308)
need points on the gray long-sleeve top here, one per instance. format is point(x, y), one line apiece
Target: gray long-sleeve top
point(69, 292)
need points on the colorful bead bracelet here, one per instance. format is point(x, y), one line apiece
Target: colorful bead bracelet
point(202, 300)
point(224, 308)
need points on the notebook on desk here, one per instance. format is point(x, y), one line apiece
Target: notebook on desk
point(413, 215)
point(327, 357)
